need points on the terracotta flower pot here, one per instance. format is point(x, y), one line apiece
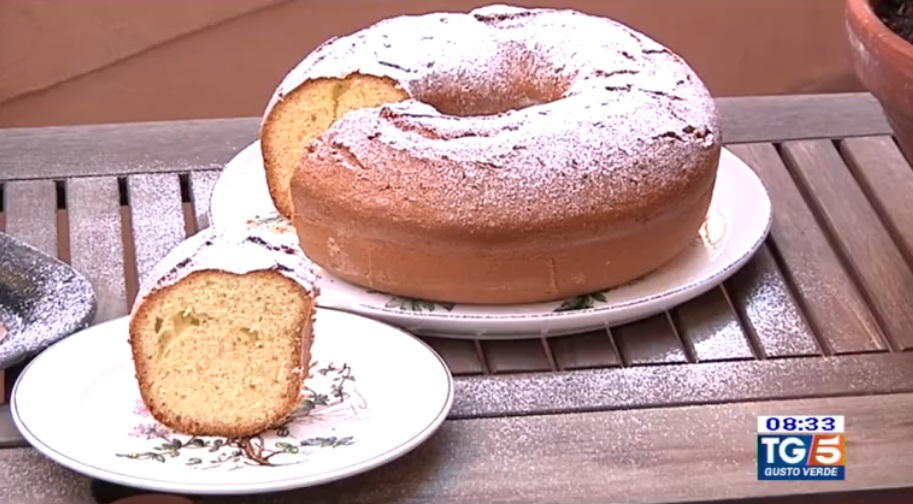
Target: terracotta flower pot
point(883, 61)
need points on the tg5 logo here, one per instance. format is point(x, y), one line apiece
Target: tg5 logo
point(801, 457)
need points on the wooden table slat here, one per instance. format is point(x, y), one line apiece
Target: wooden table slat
point(515, 356)
point(873, 256)
point(768, 309)
point(120, 149)
point(651, 340)
point(631, 388)
point(825, 291)
point(594, 349)
point(96, 241)
point(31, 478)
point(756, 119)
point(201, 186)
point(461, 355)
point(616, 459)
point(186, 146)
point(711, 330)
point(637, 387)
point(156, 218)
point(887, 178)
point(31, 213)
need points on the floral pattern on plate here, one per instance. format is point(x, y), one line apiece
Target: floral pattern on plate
point(330, 397)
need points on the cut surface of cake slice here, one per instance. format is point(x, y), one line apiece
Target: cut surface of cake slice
point(304, 114)
point(221, 331)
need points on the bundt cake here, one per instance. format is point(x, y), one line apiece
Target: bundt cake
point(222, 329)
point(505, 155)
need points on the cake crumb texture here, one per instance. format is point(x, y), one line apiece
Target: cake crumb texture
point(220, 352)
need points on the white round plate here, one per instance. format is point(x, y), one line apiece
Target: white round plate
point(78, 403)
point(737, 224)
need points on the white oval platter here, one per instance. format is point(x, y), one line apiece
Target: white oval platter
point(736, 225)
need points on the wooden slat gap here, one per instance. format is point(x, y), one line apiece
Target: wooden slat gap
point(804, 357)
point(549, 356)
point(615, 348)
point(190, 225)
point(687, 344)
point(187, 207)
point(126, 229)
point(202, 184)
point(614, 345)
point(480, 352)
point(757, 349)
point(63, 222)
point(184, 182)
point(60, 188)
point(122, 192)
point(840, 251)
point(687, 347)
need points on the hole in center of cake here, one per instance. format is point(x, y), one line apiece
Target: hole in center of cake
point(515, 79)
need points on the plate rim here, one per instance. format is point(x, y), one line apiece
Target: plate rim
point(685, 291)
point(229, 488)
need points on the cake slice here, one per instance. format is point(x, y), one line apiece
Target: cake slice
point(306, 111)
point(222, 329)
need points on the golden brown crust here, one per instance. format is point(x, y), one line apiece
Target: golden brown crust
point(292, 121)
point(275, 183)
point(542, 268)
point(174, 421)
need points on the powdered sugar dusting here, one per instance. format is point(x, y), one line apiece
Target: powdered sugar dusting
point(769, 309)
point(631, 125)
point(260, 245)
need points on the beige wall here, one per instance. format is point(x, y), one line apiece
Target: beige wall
point(88, 61)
